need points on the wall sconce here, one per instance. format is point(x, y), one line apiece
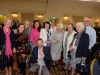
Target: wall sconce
point(40, 16)
point(14, 15)
point(97, 20)
point(65, 18)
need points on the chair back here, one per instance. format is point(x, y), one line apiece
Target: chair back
point(94, 68)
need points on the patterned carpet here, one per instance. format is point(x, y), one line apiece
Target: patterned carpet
point(55, 70)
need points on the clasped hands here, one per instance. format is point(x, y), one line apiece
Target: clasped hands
point(42, 56)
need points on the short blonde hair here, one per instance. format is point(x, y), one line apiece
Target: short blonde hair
point(5, 20)
point(60, 25)
point(27, 21)
point(80, 24)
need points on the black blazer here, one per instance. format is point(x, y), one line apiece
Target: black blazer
point(47, 57)
point(82, 49)
point(3, 38)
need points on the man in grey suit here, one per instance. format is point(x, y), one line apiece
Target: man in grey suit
point(41, 59)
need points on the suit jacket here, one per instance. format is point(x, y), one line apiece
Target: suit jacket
point(47, 57)
point(3, 38)
point(82, 48)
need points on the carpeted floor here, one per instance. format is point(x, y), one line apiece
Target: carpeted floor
point(55, 70)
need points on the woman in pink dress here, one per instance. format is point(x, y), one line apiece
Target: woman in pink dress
point(35, 33)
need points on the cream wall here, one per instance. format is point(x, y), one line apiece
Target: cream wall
point(53, 10)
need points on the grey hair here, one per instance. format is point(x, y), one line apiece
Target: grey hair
point(60, 25)
point(80, 24)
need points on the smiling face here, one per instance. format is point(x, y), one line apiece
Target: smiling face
point(27, 25)
point(53, 22)
point(79, 27)
point(70, 21)
point(46, 26)
point(21, 28)
point(40, 43)
point(86, 21)
point(8, 23)
point(36, 24)
point(70, 28)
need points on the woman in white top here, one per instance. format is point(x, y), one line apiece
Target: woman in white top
point(45, 34)
point(68, 37)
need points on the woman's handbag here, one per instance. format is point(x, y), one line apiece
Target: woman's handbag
point(15, 64)
point(2, 57)
point(83, 67)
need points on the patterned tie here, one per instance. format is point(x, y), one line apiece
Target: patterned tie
point(48, 35)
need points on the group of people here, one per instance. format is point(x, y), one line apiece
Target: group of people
point(43, 44)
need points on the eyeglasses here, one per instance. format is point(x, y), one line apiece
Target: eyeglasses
point(85, 21)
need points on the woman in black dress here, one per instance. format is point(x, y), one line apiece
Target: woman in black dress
point(7, 45)
point(22, 47)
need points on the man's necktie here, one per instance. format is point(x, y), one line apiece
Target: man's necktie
point(85, 29)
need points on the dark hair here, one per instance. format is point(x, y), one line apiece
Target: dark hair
point(40, 39)
point(20, 25)
point(39, 28)
point(46, 22)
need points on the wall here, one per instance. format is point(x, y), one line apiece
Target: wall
point(52, 10)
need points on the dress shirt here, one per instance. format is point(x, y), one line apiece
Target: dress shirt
point(39, 55)
point(92, 36)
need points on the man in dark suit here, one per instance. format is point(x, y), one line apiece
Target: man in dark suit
point(41, 59)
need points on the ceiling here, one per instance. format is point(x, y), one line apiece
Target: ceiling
point(79, 2)
point(70, 2)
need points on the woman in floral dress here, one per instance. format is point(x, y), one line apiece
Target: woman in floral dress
point(22, 47)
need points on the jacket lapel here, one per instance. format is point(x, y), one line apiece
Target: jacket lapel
point(36, 51)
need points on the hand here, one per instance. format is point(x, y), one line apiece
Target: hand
point(70, 48)
point(48, 42)
point(14, 50)
point(0, 53)
point(83, 58)
point(40, 59)
point(58, 41)
point(41, 53)
point(23, 55)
